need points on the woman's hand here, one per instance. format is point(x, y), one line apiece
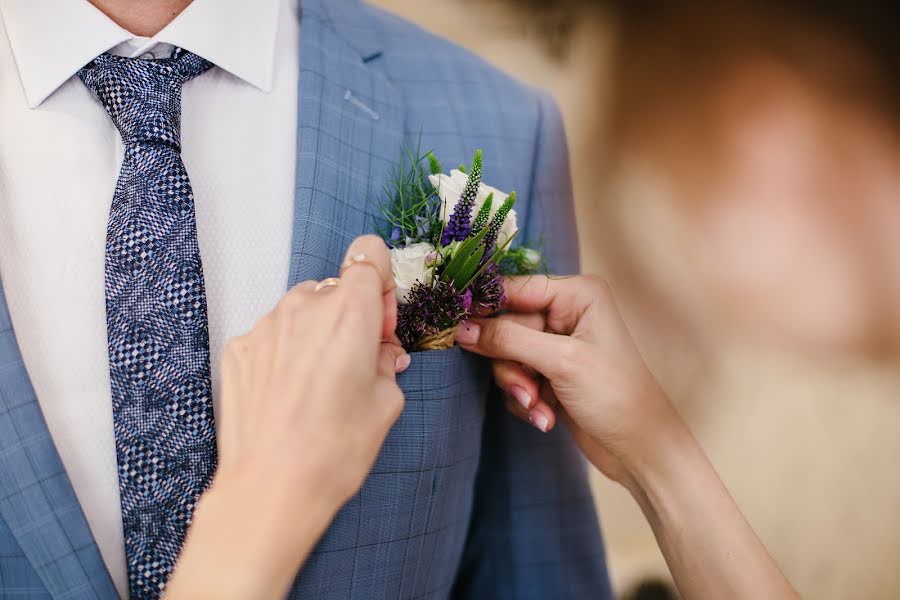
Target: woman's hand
point(308, 397)
point(563, 343)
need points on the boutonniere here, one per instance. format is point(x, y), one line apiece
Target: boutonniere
point(451, 244)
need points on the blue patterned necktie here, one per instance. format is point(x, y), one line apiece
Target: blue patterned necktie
point(156, 317)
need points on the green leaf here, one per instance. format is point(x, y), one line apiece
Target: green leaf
point(494, 257)
point(472, 242)
point(462, 254)
point(468, 269)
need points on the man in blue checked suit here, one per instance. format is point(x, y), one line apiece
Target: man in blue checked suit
point(291, 118)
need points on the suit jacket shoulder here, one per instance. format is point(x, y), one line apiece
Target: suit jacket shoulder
point(407, 45)
point(446, 87)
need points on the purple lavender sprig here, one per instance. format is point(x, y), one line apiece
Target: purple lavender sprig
point(430, 308)
point(457, 227)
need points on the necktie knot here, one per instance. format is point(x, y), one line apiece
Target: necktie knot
point(143, 97)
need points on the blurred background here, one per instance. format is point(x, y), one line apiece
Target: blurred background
point(737, 177)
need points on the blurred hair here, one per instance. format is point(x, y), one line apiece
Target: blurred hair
point(792, 30)
point(869, 26)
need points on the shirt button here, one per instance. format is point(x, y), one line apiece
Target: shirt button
point(147, 56)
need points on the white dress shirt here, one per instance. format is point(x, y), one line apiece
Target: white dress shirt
point(59, 160)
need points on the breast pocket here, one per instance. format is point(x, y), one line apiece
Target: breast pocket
point(445, 394)
point(430, 462)
point(422, 483)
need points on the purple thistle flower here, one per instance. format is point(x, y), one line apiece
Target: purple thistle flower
point(488, 294)
point(429, 309)
point(457, 228)
point(467, 299)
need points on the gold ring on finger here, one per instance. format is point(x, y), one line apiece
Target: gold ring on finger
point(331, 282)
point(362, 259)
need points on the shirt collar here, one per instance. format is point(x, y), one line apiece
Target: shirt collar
point(51, 42)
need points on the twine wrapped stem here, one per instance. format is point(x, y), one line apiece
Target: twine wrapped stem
point(441, 340)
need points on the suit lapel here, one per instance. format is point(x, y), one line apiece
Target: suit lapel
point(37, 501)
point(349, 135)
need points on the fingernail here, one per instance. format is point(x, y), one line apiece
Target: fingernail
point(402, 363)
point(521, 396)
point(467, 333)
point(539, 420)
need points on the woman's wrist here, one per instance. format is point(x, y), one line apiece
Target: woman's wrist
point(247, 539)
point(706, 541)
point(671, 476)
point(286, 521)
point(662, 448)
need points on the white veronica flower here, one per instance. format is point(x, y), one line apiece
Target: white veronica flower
point(451, 187)
point(409, 265)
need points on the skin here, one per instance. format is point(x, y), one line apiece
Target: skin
point(145, 19)
point(564, 346)
point(314, 379)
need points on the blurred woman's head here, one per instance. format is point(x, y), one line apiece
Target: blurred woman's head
point(756, 155)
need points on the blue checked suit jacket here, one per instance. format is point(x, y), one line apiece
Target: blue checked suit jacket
point(464, 502)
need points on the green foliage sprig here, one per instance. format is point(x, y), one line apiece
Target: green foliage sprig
point(411, 206)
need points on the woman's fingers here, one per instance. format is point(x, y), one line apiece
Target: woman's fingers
point(389, 401)
point(540, 416)
point(367, 263)
point(283, 336)
point(563, 299)
point(517, 382)
point(393, 359)
point(503, 338)
point(515, 409)
point(234, 384)
point(536, 321)
point(520, 383)
point(527, 396)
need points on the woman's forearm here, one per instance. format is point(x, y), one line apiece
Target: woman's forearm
point(247, 542)
point(711, 550)
point(570, 331)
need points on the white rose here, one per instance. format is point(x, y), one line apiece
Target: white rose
point(451, 187)
point(409, 266)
